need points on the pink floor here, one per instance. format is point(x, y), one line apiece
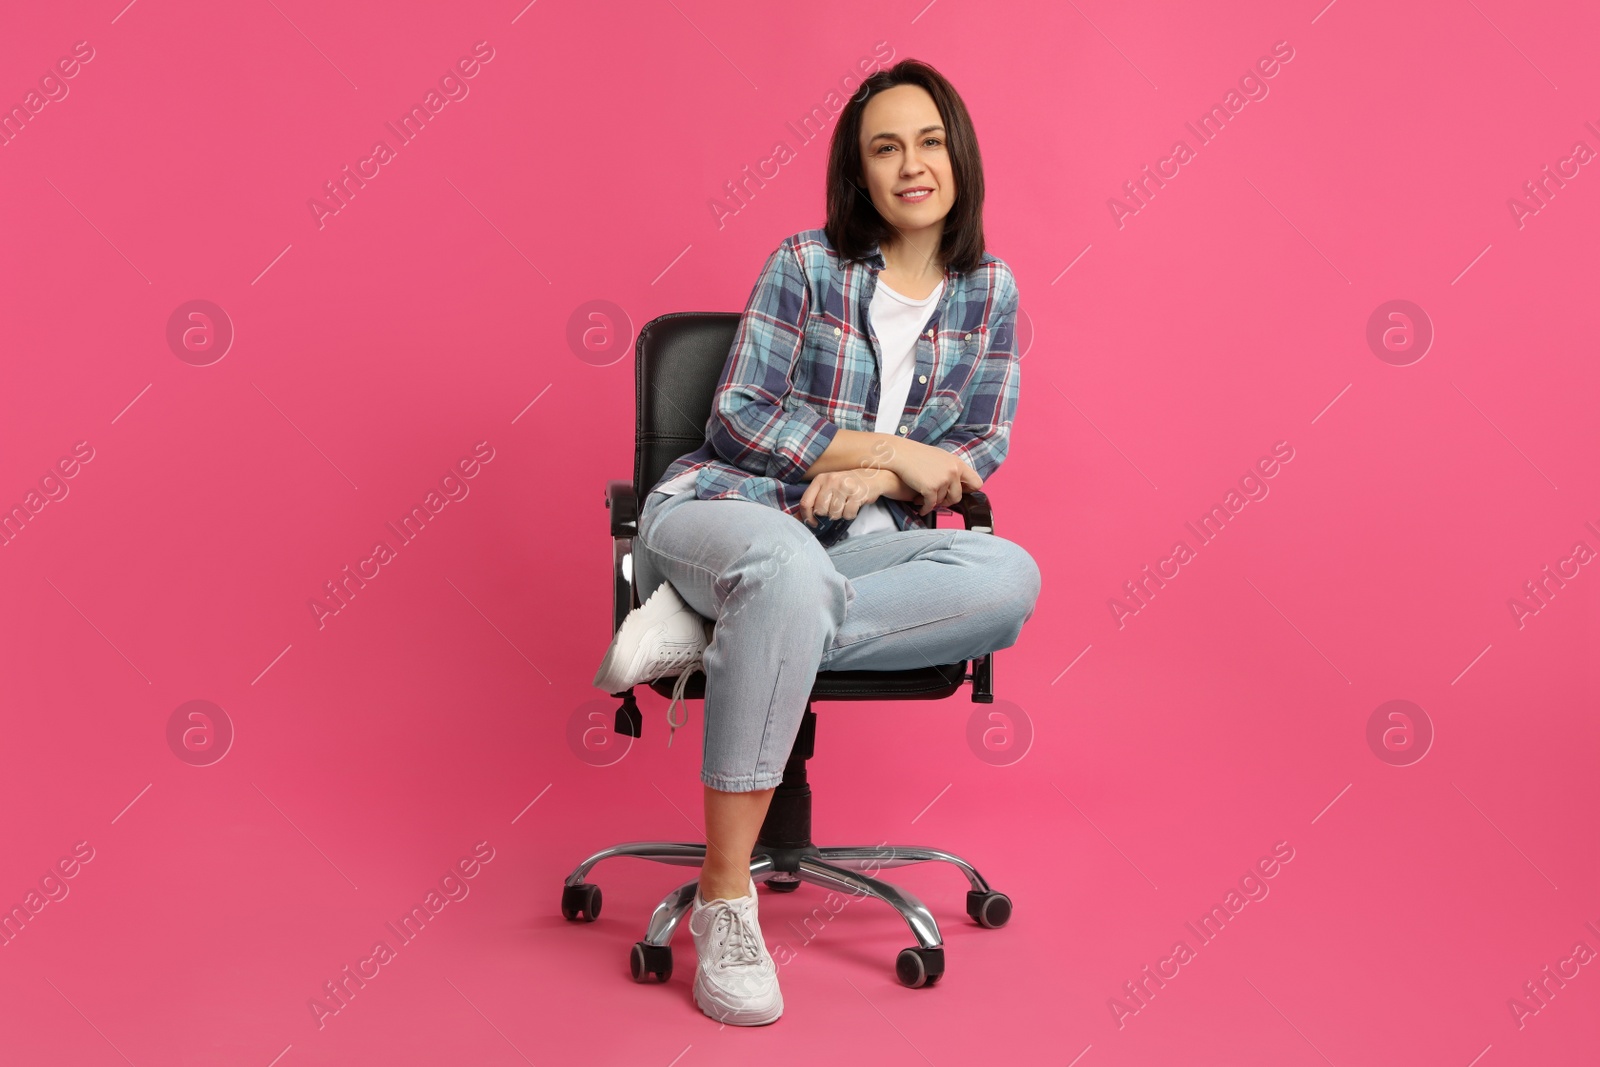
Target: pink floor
point(220, 799)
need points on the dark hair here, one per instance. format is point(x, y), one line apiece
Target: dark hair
point(853, 220)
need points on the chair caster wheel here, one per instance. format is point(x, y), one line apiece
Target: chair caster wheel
point(646, 960)
point(580, 901)
point(918, 967)
point(782, 886)
point(988, 909)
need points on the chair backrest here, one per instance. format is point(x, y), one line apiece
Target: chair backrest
point(678, 362)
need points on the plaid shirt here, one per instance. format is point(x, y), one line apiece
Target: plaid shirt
point(804, 363)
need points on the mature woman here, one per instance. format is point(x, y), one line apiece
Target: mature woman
point(873, 379)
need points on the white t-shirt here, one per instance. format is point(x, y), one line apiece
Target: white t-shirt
point(896, 320)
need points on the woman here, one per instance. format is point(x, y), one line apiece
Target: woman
point(873, 379)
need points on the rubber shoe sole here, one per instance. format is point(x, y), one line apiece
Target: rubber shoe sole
point(723, 1014)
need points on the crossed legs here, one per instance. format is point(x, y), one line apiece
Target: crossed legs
point(786, 607)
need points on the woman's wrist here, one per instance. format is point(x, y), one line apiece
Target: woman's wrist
point(891, 485)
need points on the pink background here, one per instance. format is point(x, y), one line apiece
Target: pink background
point(432, 712)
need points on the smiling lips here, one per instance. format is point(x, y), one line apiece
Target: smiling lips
point(916, 194)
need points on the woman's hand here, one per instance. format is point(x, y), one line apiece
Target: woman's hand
point(842, 494)
point(935, 477)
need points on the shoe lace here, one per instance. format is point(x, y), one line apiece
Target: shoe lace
point(737, 942)
point(679, 658)
point(678, 701)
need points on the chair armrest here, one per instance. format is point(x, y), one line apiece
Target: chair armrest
point(623, 503)
point(974, 508)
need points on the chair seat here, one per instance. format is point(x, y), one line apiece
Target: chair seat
point(925, 683)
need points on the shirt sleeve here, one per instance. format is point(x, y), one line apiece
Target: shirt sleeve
point(755, 424)
point(983, 437)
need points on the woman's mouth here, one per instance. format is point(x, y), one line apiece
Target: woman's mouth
point(915, 196)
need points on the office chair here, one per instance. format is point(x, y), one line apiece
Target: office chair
point(679, 362)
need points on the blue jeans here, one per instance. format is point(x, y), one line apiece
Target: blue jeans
point(785, 607)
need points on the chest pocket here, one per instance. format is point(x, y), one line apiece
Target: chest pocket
point(957, 357)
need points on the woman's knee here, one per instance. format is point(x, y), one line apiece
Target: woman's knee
point(1017, 580)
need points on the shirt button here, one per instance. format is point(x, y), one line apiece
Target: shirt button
point(902, 429)
point(922, 377)
point(837, 331)
point(969, 337)
point(930, 333)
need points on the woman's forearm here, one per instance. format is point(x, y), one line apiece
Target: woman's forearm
point(851, 449)
point(897, 489)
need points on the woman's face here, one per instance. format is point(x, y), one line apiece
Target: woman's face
point(904, 148)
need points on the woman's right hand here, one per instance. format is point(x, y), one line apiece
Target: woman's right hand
point(936, 476)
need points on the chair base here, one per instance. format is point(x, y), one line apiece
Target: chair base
point(783, 858)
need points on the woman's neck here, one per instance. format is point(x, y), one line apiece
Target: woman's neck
point(911, 263)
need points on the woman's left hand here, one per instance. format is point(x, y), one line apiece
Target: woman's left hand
point(841, 494)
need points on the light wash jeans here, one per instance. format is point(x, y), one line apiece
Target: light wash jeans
point(786, 607)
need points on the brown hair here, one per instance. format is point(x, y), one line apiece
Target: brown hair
point(853, 220)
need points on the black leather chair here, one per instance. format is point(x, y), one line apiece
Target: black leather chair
point(679, 361)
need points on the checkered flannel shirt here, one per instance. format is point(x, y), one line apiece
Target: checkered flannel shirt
point(804, 363)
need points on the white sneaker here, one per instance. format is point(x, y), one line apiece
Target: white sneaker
point(660, 638)
point(735, 980)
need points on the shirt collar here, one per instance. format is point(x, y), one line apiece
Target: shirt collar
point(876, 262)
